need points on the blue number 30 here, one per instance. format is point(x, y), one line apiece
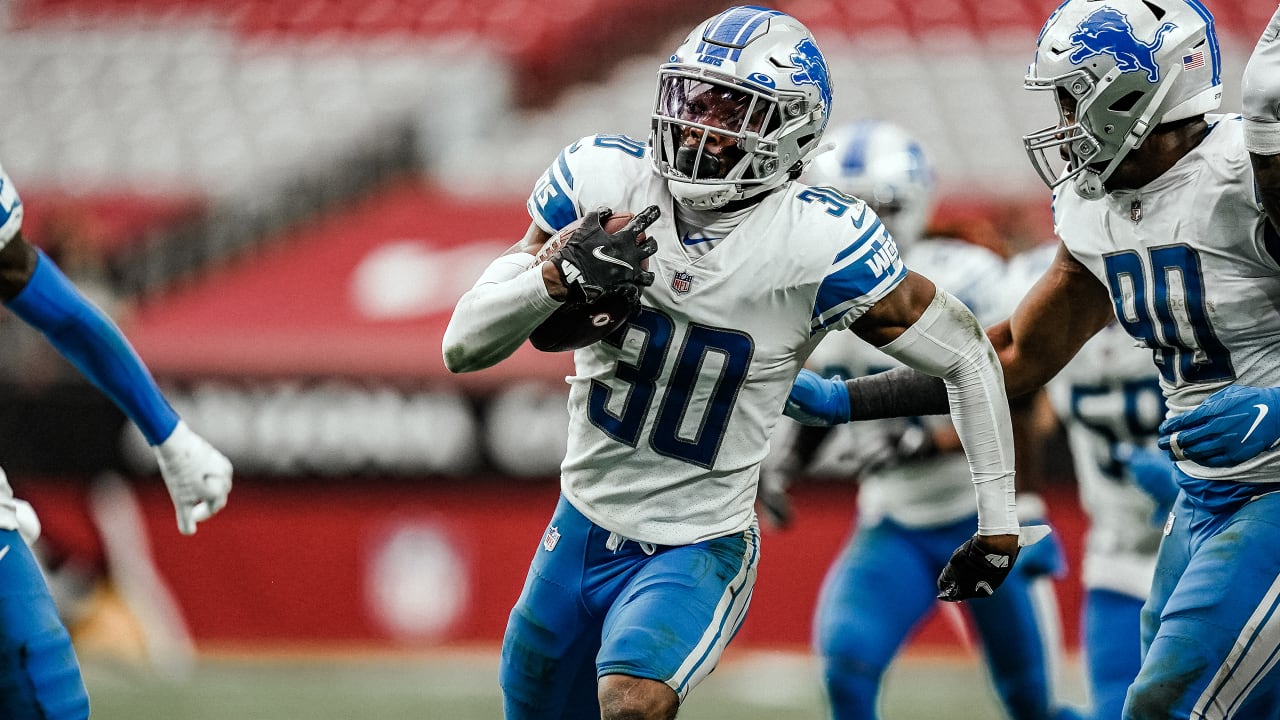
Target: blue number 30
point(699, 344)
point(1197, 355)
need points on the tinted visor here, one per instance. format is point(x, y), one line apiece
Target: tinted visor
point(713, 106)
point(709, 130)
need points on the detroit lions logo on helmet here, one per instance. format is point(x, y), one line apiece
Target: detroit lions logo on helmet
point(1108, 31)
point(813, 69)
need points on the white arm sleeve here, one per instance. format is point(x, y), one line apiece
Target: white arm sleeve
point(1261, 90)
point(948, 342)
point(495, 316)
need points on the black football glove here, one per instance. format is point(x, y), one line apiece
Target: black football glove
point(594, 262)
point(973, 572)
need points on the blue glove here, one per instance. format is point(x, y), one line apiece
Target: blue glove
point(815, 400)
point(1152, 471)
point(1233, 425)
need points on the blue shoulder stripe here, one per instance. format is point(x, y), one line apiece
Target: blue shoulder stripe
point(555, 207)
point(860, 279)
point(858, 244)
point(869, 274)
point(563, 162)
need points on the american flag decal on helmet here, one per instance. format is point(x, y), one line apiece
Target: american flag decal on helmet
point(682, 282)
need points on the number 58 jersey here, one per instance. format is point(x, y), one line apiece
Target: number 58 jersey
point(671, 415)
point(1191, 267)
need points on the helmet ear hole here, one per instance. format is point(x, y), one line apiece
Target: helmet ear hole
point(1126, 103)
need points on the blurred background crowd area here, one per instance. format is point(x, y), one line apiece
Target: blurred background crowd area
point(280, 201)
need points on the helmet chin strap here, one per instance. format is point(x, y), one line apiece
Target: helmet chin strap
point(702, 196)
point(1091, 184)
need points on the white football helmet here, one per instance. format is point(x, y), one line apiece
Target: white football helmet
point(883, 165)
point(1124, 66)
point(741, 105)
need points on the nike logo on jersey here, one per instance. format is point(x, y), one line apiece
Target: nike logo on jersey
point(4, 551)
point(698, 240)
point(1262, 413)
point(602, 255)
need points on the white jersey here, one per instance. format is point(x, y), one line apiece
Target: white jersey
point(1190, 267)
point(671, 416)
point(934, 491)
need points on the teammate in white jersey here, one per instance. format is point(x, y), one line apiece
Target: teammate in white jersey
point(39, 675)
point(647, 567)
point(1163, 215)
point(915, 498)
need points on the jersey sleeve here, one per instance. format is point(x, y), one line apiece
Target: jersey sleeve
point(866, 269)
point(10, 209)
point(592, 171)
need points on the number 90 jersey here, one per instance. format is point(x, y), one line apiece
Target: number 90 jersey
point(1186, 259)
point(671, 415)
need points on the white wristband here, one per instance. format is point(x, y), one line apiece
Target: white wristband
point(1262, 137)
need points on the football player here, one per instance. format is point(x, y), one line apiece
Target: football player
point(915, 496)
point(1162, 210)
point(646, 568)
point(39, 674)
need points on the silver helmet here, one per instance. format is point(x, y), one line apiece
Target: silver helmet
point(741, 105)
point(1118, 68)
point(883, 165)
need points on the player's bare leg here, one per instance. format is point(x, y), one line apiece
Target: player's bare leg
point(623, 697)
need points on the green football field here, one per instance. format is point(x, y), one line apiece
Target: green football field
point(462, 685)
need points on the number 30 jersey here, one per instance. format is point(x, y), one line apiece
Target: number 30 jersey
point(1189, 263)
point(671, 415)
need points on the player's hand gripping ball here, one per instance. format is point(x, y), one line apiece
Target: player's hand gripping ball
point(603, 262)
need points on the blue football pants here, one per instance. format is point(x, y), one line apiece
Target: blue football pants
point(1112, 649)
point(39, 675)
point(1210, 629)
point(591, 607)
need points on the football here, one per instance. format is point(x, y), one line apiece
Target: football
point(577, 325)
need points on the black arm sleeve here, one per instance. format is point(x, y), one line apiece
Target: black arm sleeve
point(902, 392)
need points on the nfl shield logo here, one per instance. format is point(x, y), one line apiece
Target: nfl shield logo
point(682, 282)
point(550, 538)
point(1135, 210)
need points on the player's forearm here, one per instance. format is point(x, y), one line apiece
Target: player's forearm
point(83, 334)
point(948, 342)
point(901, 392)
point(496, 316)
